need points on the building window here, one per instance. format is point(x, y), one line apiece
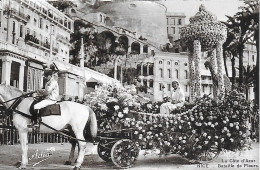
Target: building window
point(169, 87)
point(160, 62)
point(138, 69)
point(203, 88)
point(169, 73)
point(177, 73)
point(185, 64)
point(186, 74)
point(151, 83)
point(0, 18)
point(173, 30)
point(145, 70)
point(161, 86)
point(179, 22)
point(100, 18)
point(186, 88)
point(13, 27)
point(21, 30)
point(34, 79)
point(253, 58)
point(168, 62)
point(145, 82)
point(167, 21)
point(161, 72)
point(151, 69)
point(176, 63)
point(132, 5)
point(35, 21)
point(40, 23)
point(145, 49)
point(173, 21)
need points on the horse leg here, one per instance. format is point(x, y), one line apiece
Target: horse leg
point(24, 145)
point(72, 151)
point(82, 146)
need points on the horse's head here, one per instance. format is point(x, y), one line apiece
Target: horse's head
point(7, 93)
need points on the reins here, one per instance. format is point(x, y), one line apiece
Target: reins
point(13, 106)
point(48, 126)
point(24, 95)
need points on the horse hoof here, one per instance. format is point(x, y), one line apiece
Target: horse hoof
point(18, 164)
point(76, 168)
point(67, 163)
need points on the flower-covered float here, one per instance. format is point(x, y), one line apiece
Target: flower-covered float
point(198, 132)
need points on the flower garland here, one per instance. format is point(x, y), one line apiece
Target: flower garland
point(220, 64)
point(197, 64)
point(188, 132)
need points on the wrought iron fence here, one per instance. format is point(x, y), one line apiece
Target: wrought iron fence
point(9, 134)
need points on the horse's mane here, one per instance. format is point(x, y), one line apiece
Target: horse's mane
point(13, 91)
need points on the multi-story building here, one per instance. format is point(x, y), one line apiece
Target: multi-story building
point(33, 34)
point(157, 73)
point(174, 22)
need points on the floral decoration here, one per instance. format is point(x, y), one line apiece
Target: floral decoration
point(205, 28)
point(190, 131)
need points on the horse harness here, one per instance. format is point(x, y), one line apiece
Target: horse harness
point(18, 100)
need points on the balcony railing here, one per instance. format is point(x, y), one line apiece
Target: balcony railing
point(33, 41)
point(48, 15)
point(63, 39)
point(18, 15)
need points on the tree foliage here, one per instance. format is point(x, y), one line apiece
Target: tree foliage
point(243, 27)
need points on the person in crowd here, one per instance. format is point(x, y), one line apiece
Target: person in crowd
point(176, 99)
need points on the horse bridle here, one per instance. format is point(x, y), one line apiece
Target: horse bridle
point(15, 104)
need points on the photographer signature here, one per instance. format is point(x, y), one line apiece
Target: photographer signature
point(43, 155)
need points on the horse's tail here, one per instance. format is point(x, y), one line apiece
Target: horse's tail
point(93, 124)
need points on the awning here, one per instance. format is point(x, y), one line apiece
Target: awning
point(92, 80)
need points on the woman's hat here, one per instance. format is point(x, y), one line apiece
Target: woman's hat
point(175, 81)
point(51, 70)
point(47, 72)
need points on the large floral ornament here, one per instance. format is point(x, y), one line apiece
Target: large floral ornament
point(205, 28)
point(187, 132)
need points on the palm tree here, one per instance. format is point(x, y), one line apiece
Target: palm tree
point(230, 50)
point(249, 78)
point(243, 29)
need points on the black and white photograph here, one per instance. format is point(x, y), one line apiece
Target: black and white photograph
point(129, 84)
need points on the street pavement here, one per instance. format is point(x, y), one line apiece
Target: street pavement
point(9, 155)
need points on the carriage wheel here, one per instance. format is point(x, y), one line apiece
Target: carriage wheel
point(210, 154)
point(104, 152)
point(124, 153)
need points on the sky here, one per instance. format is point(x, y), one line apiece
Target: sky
point(218, 7)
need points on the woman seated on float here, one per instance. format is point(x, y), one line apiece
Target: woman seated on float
point(176, 99)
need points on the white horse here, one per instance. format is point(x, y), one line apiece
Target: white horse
point(74, 114)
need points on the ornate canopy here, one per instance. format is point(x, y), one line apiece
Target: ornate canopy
point(205, 28)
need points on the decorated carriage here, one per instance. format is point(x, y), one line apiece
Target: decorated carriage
point(197, 132)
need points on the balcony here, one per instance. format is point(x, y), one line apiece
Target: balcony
point(18, 15)
point(48, 15)
point(63, 39)
point(33, 41)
